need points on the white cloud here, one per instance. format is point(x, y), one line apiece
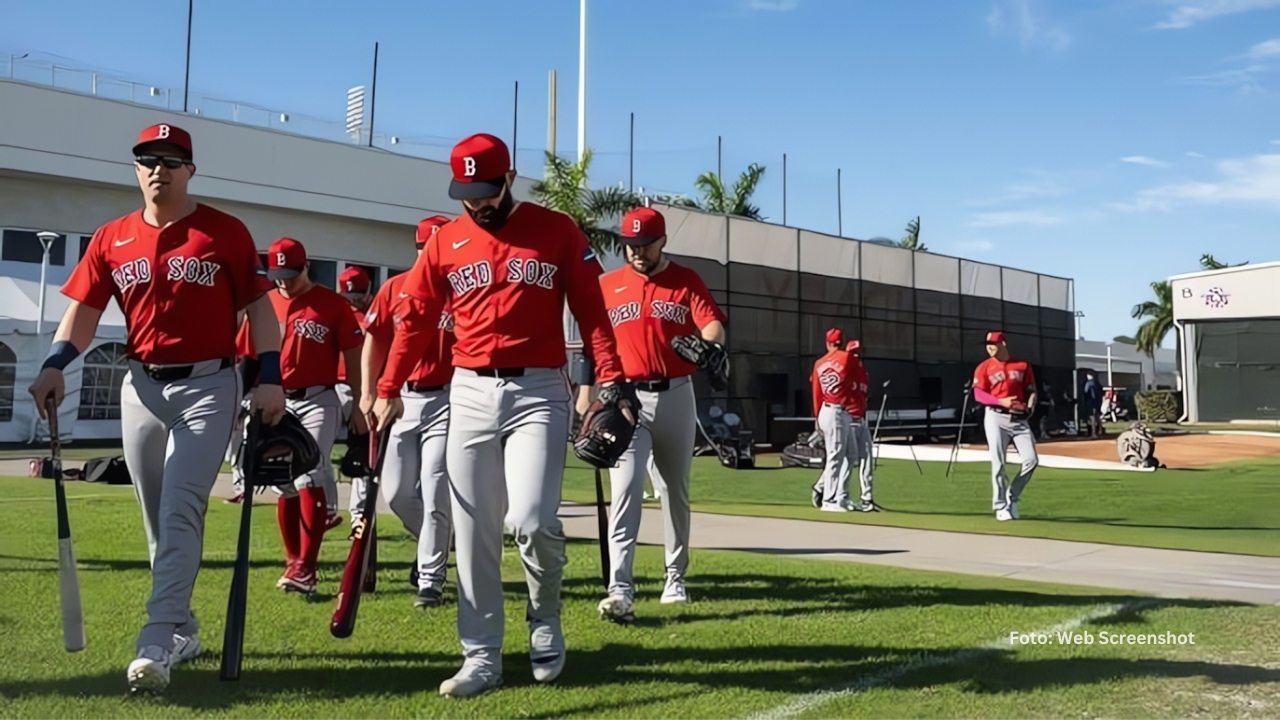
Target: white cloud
point(1010, 218)
point(1191, 12)
point(1194, 154)
point(975, 247)
point(1025, 19)
point(1144, 160)
point(1248, 181)
point(1245, 79)
point(1041, 185)
point(772, 5)
point(1269, 48)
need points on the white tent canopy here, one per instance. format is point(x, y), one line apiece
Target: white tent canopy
point(19, 310)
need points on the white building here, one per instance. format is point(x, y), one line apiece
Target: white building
point(66, 166)
point(1228, 323)
point(1122, 365)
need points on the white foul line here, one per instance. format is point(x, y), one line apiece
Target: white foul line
point(819, 697)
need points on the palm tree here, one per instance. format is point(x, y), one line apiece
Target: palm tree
point(1209, 262)
point(718, 198)
point(911, 240)
point(564, 188)
point(1159, 317)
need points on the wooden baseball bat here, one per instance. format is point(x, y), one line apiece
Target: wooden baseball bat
point(68, 577)
point(238, 597)
point(358, 569)
point(602, 528)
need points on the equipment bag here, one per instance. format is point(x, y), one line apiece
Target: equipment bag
point(110, 470)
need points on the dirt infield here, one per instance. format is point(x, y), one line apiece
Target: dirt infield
point(1175, 451)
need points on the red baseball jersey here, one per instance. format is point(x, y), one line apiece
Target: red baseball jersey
point(342, 360)
point(180, 288)
point(316, 327)
point(507, 291)
point(646, 312)
point(856, 398)
point(1012, 379)
point(385, 313)
point(830, 379)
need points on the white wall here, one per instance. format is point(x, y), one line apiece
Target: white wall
point(1248, 291)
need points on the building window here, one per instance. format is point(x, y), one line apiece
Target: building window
point(24, 246)
point(392, 272)
point(374, 273)
point(8, 376)
point(104, 369)
point(84, 245)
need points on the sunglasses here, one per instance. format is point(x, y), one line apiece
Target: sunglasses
point(150, 162)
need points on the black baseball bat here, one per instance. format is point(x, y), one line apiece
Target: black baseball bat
point(68, 576)
point(358, 571)
point(602, 527)
point(238, 597)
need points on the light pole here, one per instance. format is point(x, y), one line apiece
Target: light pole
point(1079, 314)
point(46, 239)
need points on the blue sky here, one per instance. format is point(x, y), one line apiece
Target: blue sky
point(1112, 142)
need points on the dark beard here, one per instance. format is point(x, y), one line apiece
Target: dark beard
point(492, 218)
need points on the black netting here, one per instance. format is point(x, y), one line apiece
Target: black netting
point(1238, 370)
point(1021, 318)
point(888, 302)
point(888, 340)
point(938, 344)
point(712, 273)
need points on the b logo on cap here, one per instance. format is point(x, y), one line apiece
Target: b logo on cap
point(469, 167)
point(280, 259)
point(635, 226)
point(162, 131)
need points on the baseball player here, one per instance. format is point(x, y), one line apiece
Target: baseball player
point(1007, 388)
point(318, 329)
point(652, 300)
point(832, 374)
point(354, 285)
point(506, 268)
point(415, 480)
point(180, 272)
point(856, 406)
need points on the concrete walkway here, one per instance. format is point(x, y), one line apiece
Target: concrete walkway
point(1162, 573)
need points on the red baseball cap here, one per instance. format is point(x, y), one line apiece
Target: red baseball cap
point(166, 134)
point(995, 337)
point(285, 259)
point(353, 281)
point(428, 228)
point(835, 336)
point(643, 226)
point(853, 346)
point(480, 164)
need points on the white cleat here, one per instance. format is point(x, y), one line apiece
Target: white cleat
point(1013, 510)
point(816, 498)
point(150, 670)
point(674, 592)
point(546, 649)
point(1004, 515)
point(185, 648)
point(472, 680)
point(617, 608)
point(834, 507)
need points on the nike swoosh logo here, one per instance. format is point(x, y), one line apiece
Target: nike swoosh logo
point(460, 243)
point(618, 290)
point(404, 295)
point(122, 243)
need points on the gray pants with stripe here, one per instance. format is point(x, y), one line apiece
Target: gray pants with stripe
point(319, 410)
point(174, 438)
point(837, 438)
point(864, 448)
point(665, 438)
point(1001, 428)
point(506, 451)
point(415, 481)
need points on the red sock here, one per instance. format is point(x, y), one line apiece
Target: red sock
point(314, 514)
point(289, 518)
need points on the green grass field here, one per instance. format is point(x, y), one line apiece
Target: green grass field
point(766, 635)
point(1230, 508)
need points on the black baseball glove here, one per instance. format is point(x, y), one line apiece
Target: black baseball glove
point(708, 356)
point(608, 426)
point(355, 463)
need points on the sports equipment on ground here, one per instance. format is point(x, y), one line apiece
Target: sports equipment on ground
point(804, 452)
point(68, 579)
point(361, 556)
point(608, 426)
point(964, 410)
point(233, 636)
point(710, 357)
point(1137, 447)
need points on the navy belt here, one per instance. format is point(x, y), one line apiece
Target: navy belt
point(301, 393)
point(498, 372)
point(419, 388)
point(173, 373)
point(653, 385)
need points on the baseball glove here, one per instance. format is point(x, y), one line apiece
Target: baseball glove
point(355, 463)
point(608, 426)
point(710, 357)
